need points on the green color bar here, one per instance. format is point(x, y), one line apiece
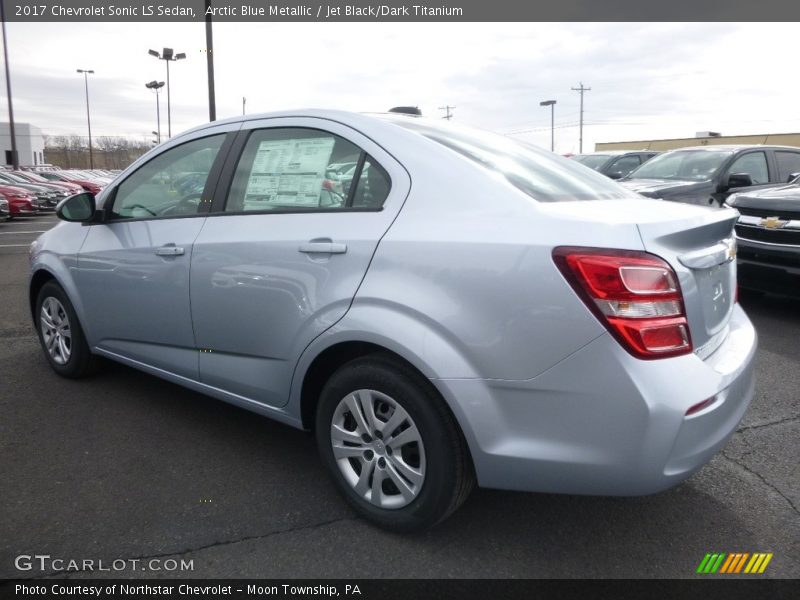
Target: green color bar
point(711, 563)
point(718, 564)
point(703, 564)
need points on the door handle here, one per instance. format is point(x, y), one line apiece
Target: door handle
point(323, 248)
point(170, 250)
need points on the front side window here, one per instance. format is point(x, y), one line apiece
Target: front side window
point(169, 185)
point(298, 169)
point(684, 165)
point(754, 164)
point(625, 164)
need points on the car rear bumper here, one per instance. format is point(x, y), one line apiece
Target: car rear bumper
point(603, 422)
point(769, 267)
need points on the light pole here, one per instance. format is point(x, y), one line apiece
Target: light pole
point(168, 56)
point(86, 73)
point(552, 105)
point(14, 162)
point(156, 87)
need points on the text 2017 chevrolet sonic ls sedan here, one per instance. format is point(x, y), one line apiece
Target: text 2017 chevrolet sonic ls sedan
point(471, 309)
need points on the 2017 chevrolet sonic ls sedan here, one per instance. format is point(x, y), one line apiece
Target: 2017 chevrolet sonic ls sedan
point(470, 309)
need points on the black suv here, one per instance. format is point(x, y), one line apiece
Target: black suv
point(615, 163)
point(709, 174)
point(768, 236)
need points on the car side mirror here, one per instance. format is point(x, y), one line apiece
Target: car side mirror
point(79, 208)
point(737, 180)
point(792, 178)
point(616, 175)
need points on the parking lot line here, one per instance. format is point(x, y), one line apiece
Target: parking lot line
point(14, 245)
point(20, 232)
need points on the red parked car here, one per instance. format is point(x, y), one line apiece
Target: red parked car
point(90, 185)
point(20, 202)
point(72, 188)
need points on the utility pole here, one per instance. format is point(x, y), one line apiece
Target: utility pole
point(11, 129)
point(212, 101)
point(86, 73)
point(581, 90)
point(244, 101)
point(448, 114)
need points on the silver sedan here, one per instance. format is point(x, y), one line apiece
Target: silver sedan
point(464, 309)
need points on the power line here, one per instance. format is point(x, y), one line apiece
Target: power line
point(447, 108)
point(580, 138)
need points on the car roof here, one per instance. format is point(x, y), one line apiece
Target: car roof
point(733, 147)
point(615, 152)
point(342, 116)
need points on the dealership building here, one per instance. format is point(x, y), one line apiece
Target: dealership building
point(30, 144)
point(703, 138)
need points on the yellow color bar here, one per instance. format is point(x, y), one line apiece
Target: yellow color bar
point(754, 562)
point(765, 563)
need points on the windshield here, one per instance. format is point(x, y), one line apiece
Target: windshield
point(540, 174)
point(684, 165)
point(593, 161)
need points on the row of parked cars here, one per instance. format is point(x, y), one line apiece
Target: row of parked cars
point(761, 182)
point(29, 192)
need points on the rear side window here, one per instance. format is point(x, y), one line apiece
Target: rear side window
point(788, 163)
point(297, 169)
point(542, 175)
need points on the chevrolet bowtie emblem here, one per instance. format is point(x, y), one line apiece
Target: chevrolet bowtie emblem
point(730, 250)
point(773, 223)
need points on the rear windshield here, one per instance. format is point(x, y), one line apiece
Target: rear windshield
point(683, 165)
point(593, 161)
point(544, 176)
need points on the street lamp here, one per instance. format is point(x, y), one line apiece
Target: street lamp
point(551, 104)
point(86, 73)
point(156, 87)
point(168, 56)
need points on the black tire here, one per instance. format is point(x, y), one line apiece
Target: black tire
point(81, 361)
point(449, 475)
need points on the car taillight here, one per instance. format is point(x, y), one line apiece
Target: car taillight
point(636, 295)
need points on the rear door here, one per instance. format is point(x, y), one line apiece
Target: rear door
point(285, 248)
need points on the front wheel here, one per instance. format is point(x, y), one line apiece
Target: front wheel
point(60, 333)
point(392, 447)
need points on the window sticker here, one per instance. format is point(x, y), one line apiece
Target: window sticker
point(288, 172)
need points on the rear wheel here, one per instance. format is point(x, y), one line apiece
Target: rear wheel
point(392, 447)
point(60, 333)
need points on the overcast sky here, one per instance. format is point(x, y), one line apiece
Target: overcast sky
point(648, 80)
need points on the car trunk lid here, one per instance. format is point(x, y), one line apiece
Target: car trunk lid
point(702, 250)
point(696, 241)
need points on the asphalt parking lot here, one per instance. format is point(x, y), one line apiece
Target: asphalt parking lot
point(124, 466)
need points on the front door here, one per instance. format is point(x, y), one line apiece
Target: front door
point(133, 269)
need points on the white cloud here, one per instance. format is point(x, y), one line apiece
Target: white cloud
point(648, 80)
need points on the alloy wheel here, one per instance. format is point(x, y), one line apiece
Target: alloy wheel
point(378, 449)
point(56, 332)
